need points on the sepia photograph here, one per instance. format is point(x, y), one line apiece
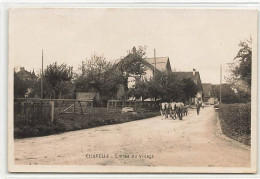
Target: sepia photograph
point(132, 90)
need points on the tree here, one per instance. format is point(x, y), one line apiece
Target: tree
point(99, 74)
point(20, 86)
point(241, 70)
point(190, 88)
point(54, 77)
point(132, 64)
point(163, 86)
point(228, 94)
point(140, 90)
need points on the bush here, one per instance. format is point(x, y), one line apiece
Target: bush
point(235, 121)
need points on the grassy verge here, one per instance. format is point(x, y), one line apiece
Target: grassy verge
point(71, 122)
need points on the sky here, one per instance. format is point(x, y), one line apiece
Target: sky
point(191, 38)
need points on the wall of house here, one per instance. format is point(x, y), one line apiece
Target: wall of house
point(148, 75)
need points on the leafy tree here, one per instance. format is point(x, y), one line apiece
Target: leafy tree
point(228, 95)
point(190, 88)
point(140, 90)
point(20, 86)
point(132, 64)
point(99, 74)
point(47, 89)
point(163, 86)
point(54, 77)
point(241, 70)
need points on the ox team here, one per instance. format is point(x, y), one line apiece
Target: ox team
point(174, 110)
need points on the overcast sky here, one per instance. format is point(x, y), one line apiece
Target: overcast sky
point(200, 39)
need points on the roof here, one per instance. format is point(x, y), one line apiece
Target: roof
point(24, 73)
point(161, 63)
point(207, 89)
point(186, 75)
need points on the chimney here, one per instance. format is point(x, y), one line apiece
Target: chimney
point(21, 68)
point(194, 71)
point(134, 50)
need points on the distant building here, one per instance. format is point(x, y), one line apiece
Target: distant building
point(195, 77)
point(26, 75)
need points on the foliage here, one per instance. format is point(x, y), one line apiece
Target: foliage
point(140, 90)
point(132, 63)
point(241, 70)
point(228, 95)
point(98, 74)
point(190, 88)
point(235, 121)
point(164, 86)
point(20, 86)
point(56, 81)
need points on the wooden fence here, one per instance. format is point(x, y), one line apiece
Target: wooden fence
point(45, 109)
point(33, 110)
point(29, 109)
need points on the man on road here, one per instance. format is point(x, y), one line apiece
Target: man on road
point(198, 105)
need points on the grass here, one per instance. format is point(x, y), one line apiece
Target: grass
point(71, 122)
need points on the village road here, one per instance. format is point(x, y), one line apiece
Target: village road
point(194, 141)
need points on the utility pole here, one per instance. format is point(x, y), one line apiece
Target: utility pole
point(154, 61)
point(42, 77)
point(220, 100)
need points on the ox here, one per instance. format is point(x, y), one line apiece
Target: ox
point(164, 109)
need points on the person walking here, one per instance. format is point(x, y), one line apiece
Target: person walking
point(198, 105)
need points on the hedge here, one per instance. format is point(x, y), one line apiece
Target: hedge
point(235, 121)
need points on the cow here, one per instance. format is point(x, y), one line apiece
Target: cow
point(179, 109)
point(164, 109)
point(173, 110)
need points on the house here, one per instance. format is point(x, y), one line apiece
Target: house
point(159, 64)
point(195, 77)
point(26, 75)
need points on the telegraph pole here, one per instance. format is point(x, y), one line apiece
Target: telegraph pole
point(42, 77)
point(220, 100)
point(154, 61)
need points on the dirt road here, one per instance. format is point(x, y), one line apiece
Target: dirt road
point(194, 141)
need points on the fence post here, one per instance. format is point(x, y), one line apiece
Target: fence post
point(74, 107)
point(52, 111)
point(108, 106)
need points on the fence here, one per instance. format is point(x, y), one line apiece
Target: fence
point(29, 109)
point(33, 110)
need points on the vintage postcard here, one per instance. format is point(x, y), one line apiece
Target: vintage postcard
point(132, 90)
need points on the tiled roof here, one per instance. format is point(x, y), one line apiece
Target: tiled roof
point(161, 62)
